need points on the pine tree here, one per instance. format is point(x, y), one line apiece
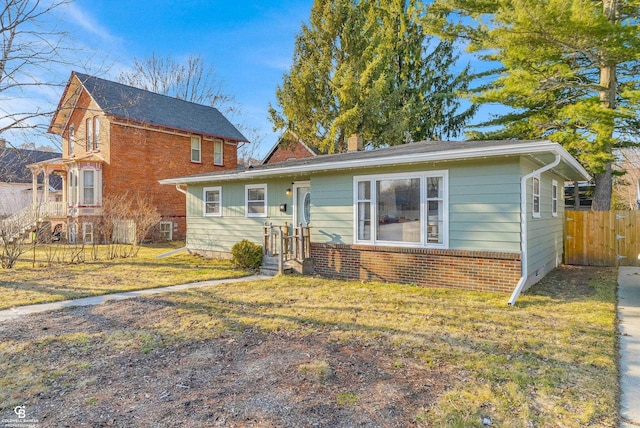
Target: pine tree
point(569, 72)
point(368, 67)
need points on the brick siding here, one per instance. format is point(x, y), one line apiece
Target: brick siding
point(470, 270)
point(293, 151)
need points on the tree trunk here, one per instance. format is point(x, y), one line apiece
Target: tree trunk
point(576, 196)
point(602, 194)
point(608, 91)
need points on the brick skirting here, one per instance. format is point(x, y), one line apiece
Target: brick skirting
point(471, 270)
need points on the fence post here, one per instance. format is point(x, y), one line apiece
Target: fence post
point(281, 252)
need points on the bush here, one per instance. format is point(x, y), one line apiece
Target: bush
point(247, 255)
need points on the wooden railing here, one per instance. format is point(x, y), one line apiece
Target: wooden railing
point(17, 224)
point(286, 242)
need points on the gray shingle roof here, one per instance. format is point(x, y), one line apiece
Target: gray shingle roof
point(143, 106)
point(405, 153)
point(13, 166)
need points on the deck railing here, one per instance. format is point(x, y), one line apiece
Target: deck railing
point(287, 242)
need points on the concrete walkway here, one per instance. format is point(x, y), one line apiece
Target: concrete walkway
point(8, 314)
point(629, 327)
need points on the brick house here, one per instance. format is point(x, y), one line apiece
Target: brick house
point(117, 139)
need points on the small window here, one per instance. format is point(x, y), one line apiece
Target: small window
point(96, 132)
point(554, 198)
point(87, 233)
point(256, 200)
point(166, 230)
point(535, 209)
point(196, 149)
point(89, 134)
point(217, 153)
point(212, 197)
point(72, 139)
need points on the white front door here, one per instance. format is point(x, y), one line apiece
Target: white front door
point(302, 203)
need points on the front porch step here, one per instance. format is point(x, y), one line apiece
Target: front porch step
point(270, 266)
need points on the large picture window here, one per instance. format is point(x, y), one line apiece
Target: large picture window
point(212, 197)
point(256, 200)
point(402, 209)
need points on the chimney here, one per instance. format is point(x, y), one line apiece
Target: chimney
point(355, 143)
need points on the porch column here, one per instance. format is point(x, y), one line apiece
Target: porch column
point(45, 197)
point(34, 187)
point(65, 194)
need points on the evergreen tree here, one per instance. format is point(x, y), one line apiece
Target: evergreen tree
point(368, 67)
point(569, 72)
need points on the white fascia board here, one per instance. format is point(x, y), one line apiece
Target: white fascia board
point(443, 155)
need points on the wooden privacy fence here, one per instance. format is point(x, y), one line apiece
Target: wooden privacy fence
point(606, 238)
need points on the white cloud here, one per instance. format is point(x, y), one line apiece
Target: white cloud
point(74, 14)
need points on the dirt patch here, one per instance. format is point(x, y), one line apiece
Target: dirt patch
point(249, 378)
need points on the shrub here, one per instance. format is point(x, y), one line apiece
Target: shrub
point(247, 255)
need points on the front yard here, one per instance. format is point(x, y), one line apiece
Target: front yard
point(300, 351)
point(34, 281)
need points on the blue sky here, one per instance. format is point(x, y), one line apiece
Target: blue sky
point(250, 43)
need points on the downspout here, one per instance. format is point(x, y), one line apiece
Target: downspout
point(181, 189)
point(523, 227)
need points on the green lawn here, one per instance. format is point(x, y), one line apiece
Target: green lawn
point(35, 282)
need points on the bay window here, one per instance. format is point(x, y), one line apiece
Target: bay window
point(402, 209)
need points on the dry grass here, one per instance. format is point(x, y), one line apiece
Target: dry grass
point(550, 361)
point(30, 283)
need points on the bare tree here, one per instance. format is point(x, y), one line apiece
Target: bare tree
point(627, 186)
point(192, 80)
point(31, 47)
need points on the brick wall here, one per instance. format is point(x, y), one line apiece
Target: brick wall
point(471, 270)
point(293, 150)
point(141, 157)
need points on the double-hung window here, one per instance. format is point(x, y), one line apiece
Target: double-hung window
point(212, 197)
point(256, 200)
point(218, 153)
point(402, 209)
point(535, 207)
point(196, 149)
point(89, 187)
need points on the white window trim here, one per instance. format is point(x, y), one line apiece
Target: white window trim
point(534, 213)
point(215, 143)
point(444, 174)
point(196, 138)
point(554, 185)
point(170, 223)
point(204, 201)
point(85, 226)
point(246, 200)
